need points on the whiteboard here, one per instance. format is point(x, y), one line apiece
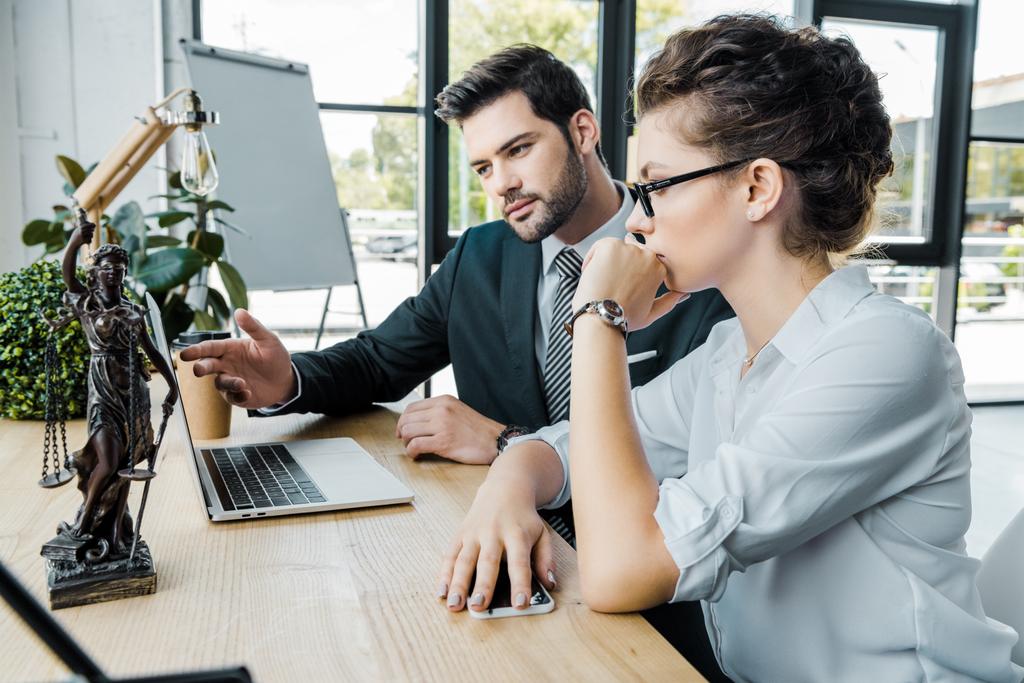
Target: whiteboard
point(274, 170)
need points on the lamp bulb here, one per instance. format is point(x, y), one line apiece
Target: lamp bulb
point(198, 170)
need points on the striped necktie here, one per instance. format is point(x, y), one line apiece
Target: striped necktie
point(559, 357)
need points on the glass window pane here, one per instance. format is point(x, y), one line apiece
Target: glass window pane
point(478, 28)
point(998, 97)
point(656, 20)
point(358, 52)
point(905, 59)
point(990, 308)
point(914, 285)
point(373, 159)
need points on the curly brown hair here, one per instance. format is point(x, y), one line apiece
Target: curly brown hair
point(753, 88)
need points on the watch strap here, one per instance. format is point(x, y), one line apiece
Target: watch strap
point(510, 432)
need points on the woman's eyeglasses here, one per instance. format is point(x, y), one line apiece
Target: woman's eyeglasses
point(642, 191)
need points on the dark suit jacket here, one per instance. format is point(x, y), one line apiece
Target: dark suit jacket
point(478, 312)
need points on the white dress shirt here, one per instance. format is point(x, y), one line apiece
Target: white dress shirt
point(818, 506)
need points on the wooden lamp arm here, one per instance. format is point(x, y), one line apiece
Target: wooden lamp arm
point(123, 162)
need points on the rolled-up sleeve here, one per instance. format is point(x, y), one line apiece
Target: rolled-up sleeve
point(865, 415)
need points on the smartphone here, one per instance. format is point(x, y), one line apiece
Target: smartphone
point(539, 601)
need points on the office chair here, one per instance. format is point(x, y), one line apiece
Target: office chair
point(1001, 581)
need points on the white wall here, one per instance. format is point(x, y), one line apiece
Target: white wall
point(12, 253)
point(79, 70)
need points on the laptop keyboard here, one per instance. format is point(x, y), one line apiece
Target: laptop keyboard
point(263, 477)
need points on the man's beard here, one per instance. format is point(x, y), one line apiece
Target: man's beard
point(565, 198)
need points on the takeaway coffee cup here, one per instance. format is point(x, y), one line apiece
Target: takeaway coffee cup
point(208, 414)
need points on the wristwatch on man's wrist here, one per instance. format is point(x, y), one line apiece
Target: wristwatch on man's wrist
point(608, 310)
point(510, 432)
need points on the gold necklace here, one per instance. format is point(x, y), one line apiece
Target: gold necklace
point(750, 360)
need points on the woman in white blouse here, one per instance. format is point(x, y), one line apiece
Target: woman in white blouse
point(805, 473)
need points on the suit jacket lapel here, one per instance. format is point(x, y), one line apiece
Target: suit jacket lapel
point(520, 272)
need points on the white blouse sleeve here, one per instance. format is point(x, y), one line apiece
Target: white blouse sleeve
point(866, 415)
point(664, 424)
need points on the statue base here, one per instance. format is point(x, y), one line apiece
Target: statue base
point(72, 582)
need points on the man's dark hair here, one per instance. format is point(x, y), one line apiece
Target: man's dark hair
point(553, 89)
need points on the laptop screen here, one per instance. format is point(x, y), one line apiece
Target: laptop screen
point(157, 326)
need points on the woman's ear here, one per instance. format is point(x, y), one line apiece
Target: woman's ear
point(584, 131)
point(763, 182)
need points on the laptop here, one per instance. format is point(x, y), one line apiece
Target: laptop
point(272, 479)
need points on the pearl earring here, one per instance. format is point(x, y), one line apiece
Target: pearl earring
point(750, 215)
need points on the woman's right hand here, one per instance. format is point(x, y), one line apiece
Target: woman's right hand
point(501, 522)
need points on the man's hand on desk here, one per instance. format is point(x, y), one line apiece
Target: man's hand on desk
point(501, 521)
point(445, 426)
point(251, 373)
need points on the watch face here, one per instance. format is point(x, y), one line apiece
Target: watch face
point(612, 308)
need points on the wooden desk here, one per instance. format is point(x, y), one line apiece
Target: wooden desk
point(326, 597)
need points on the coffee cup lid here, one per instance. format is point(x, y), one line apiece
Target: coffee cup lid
point(189, 338)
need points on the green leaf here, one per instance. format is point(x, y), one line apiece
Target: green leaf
point(234, 283)
point(215, 301)
point(240, 231)
point(176, 316)
point(131, 244)
point(174, 180)
point(210, 243)
point(167, 218)
point(205, 321)
point(155, 241)
point(128, 222)
point(36, 232)
point(218, 204)
point(71, 170)
point(169, 268)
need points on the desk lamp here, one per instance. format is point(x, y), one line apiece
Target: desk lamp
point(143, 139)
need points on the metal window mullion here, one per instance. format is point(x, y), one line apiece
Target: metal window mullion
point(197, 20)
point(368, 108)
point(616, 55)
point(434, 241)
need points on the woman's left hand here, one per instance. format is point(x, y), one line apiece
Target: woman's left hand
point(629, 274)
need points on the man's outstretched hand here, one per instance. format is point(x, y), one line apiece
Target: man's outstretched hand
point(251, 373)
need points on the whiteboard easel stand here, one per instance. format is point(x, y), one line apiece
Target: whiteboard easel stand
point(359, 290)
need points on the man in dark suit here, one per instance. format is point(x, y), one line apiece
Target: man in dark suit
point(494, 307)
point(490, 307)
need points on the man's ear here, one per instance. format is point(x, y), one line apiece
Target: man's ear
point(584, 131)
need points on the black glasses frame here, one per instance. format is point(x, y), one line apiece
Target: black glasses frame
point(642, 191)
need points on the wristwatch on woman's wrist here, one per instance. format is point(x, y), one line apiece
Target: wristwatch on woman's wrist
point(510, 432)
point(608, 310)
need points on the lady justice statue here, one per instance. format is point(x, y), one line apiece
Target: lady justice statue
point(99, 556)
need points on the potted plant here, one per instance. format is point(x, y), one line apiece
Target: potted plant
point(23, 338)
